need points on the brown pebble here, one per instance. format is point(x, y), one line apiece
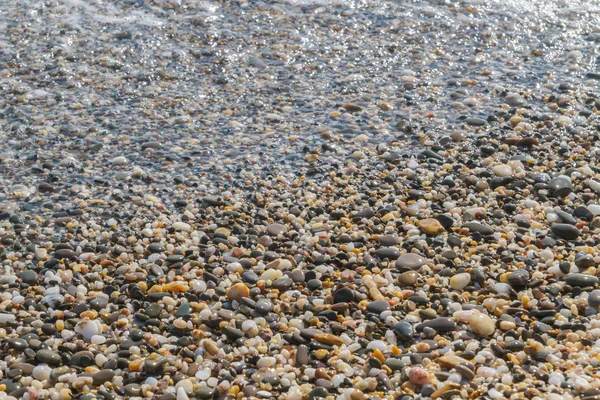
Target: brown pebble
point(431, 226)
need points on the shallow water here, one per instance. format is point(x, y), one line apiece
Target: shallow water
point(225, 85)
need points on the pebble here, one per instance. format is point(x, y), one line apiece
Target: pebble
point(410, 260)
point(581, 280)
point(594, 298)
point(276, 229)
point(439, 324)
point(460, 281)
point(565, 231)
point(307, 222)
point(481, 324)
point(238, 292)
point(519, 278)
point(431, 226)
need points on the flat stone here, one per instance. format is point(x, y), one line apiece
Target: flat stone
point(103, 376)
point(465, 372)
point(565, 231)
point(64, 253)
point(439, 324)
point(29, 276)
point(153, 310)
point(302, 355)
point(264, 305)
point(431, 226)
point(581, 280)
point(17, 344)
point(48, 357)
point(283, 283)
point(478, 227)
point(183, 310)
point(276, 229)
point(476, 121)
point(410, 260)
point(154, 366)
point(232, 333)
point(378, 306)
point(390, 253)
point(388, 240)
point(329, 339)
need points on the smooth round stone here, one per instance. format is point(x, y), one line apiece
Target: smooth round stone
point(479, 227)
point(204, 393)
point(82, 359)
point(17, 344)
point(48, 357)
point(343, 295)
point(594, 298)
point(250, 277)
point(156, 248)
point(317, 393)
point(154, 366)
point(439, 324)
point(404, 330)
point(581, 280)
point(481, 324)
point(183, 310)
point(408, 278)
point(250, 390)
point(29, 276)
point(410, 260)
point(502, 170)
point(565, 231)
point(395, 364)
point(64, 253)
point(153, 310)
point(297, 275)
point(560, 187)
point(87, 329)
point(519, 278)
point(465, 372)
point(41, 372)
point(390, 253)
point(378, 306)
point(276, 229)
point(263, 305)
point(283, 283)
point(238, 292)
point(388, 240)
point(133, 389)
point(583, 260)
point(314, 284)
point(460, 281)
point(476, 121)
point(103, 376)
point(418, 376)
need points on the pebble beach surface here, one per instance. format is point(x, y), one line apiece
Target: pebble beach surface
point(299, 199)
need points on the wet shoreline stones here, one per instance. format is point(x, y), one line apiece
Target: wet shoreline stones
point(299, 200)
